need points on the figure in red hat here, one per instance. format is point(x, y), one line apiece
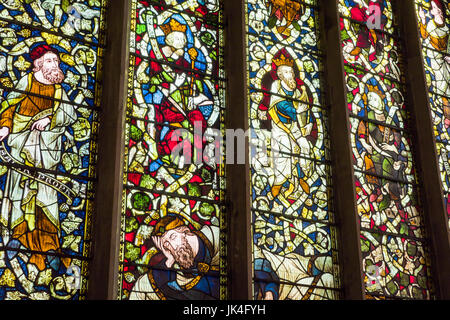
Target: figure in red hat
point(46, 65)
point(33, 119)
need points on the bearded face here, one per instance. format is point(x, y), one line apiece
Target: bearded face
point(178, 246)
point(53, 75)
point(49, 66)
point(286, 74)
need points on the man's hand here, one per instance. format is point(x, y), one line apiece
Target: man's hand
point(306, 130)
point(158, 241)
point(191, 105)
point(40, 125)
point(422, 16)
point(389, 147)
point(447, 59)
point(397, 165)
point(180, 79)
point(4, 133)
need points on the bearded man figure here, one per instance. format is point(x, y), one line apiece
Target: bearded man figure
point(33, 119)
point(186, 267)
point(290, 127)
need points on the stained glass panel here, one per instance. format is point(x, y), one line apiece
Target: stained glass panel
point(433, 18)
point(360, 11)
point(400, 266)
point(382, 59)
point(382, 151)
point(263, 72)
point(312, 198)
point(172, 244)
point(393, 239)
point(375, 98)
point(81, 20)
point(151, 42)
point(294, 236)
point(50, 74)
point(395, 210)
point(300, 30)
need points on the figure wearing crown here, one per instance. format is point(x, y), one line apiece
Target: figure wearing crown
point(184, 99)
point(176, 41)
point(178, 98)
point(290, 127)
point(177, 49)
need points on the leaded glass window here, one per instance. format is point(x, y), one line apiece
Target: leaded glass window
point(294, 243)
point(50, 67)
point(434, 26)
point(164, 101)
point(393, 240)
point(171, 245)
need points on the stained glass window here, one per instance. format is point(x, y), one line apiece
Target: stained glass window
point(294, 233)
point(434, 26)
point(50, 66)
point(393, 240)
point(171, 239)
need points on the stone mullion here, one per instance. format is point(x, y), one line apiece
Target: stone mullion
point(238, 197)
point(343, 176)
point(103, 280)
